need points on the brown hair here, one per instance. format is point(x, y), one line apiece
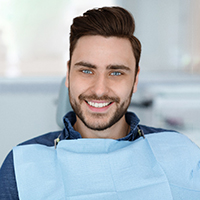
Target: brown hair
point(106, 21)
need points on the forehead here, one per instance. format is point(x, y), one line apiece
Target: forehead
point(103, 51)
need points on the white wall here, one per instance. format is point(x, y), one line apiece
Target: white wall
point(27, 109)
point(169, 31)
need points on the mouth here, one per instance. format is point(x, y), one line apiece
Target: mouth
point(98, 105)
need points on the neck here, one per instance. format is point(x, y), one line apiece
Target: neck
point(118, 130)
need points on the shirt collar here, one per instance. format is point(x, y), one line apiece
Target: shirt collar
point(70, 119)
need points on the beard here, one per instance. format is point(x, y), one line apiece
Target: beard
point(99, 121)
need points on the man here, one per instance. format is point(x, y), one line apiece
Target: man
point(103, 152)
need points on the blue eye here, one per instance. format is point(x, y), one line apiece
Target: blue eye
point(116, 73)
point(85, 71)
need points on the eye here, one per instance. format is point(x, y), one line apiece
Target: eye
point(86, 71)
point(116, 74)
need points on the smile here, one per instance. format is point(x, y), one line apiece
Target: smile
point(98, 105)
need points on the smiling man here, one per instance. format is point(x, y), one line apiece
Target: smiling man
point(101, 81)
point(100, 154)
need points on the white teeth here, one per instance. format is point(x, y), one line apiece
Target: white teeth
point(98, 105)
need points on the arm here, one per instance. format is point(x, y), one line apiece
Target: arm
point(8, 186)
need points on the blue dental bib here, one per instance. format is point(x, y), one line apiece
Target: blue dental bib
point(163, 166)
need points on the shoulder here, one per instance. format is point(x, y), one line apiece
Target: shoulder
point(165, 137)
point(150, 130)
point(178, 156)
point(8, 187)
point(46, 139)
point(171, 139)
point(173, 144)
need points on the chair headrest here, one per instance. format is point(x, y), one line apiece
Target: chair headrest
point(63, 104)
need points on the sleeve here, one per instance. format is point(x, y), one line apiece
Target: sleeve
point(8, 186)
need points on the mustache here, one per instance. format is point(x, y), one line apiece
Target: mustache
point(102, 98)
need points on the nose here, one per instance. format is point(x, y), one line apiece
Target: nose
point(100, 86)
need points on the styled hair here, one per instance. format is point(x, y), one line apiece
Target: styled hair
point(105, 21)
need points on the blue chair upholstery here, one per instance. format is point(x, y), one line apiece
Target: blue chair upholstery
point(63, 104)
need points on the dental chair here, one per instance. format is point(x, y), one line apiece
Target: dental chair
point(63, 104)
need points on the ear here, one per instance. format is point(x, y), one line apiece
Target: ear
point(67, 76)
point(136, 80)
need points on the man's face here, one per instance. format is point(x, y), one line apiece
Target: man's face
point(101, 80)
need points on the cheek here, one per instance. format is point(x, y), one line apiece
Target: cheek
point(77, 87)
point(124, 92)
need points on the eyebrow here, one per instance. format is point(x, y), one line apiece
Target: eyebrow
point(122, 67)
point(85, 64)
point(89, 65)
